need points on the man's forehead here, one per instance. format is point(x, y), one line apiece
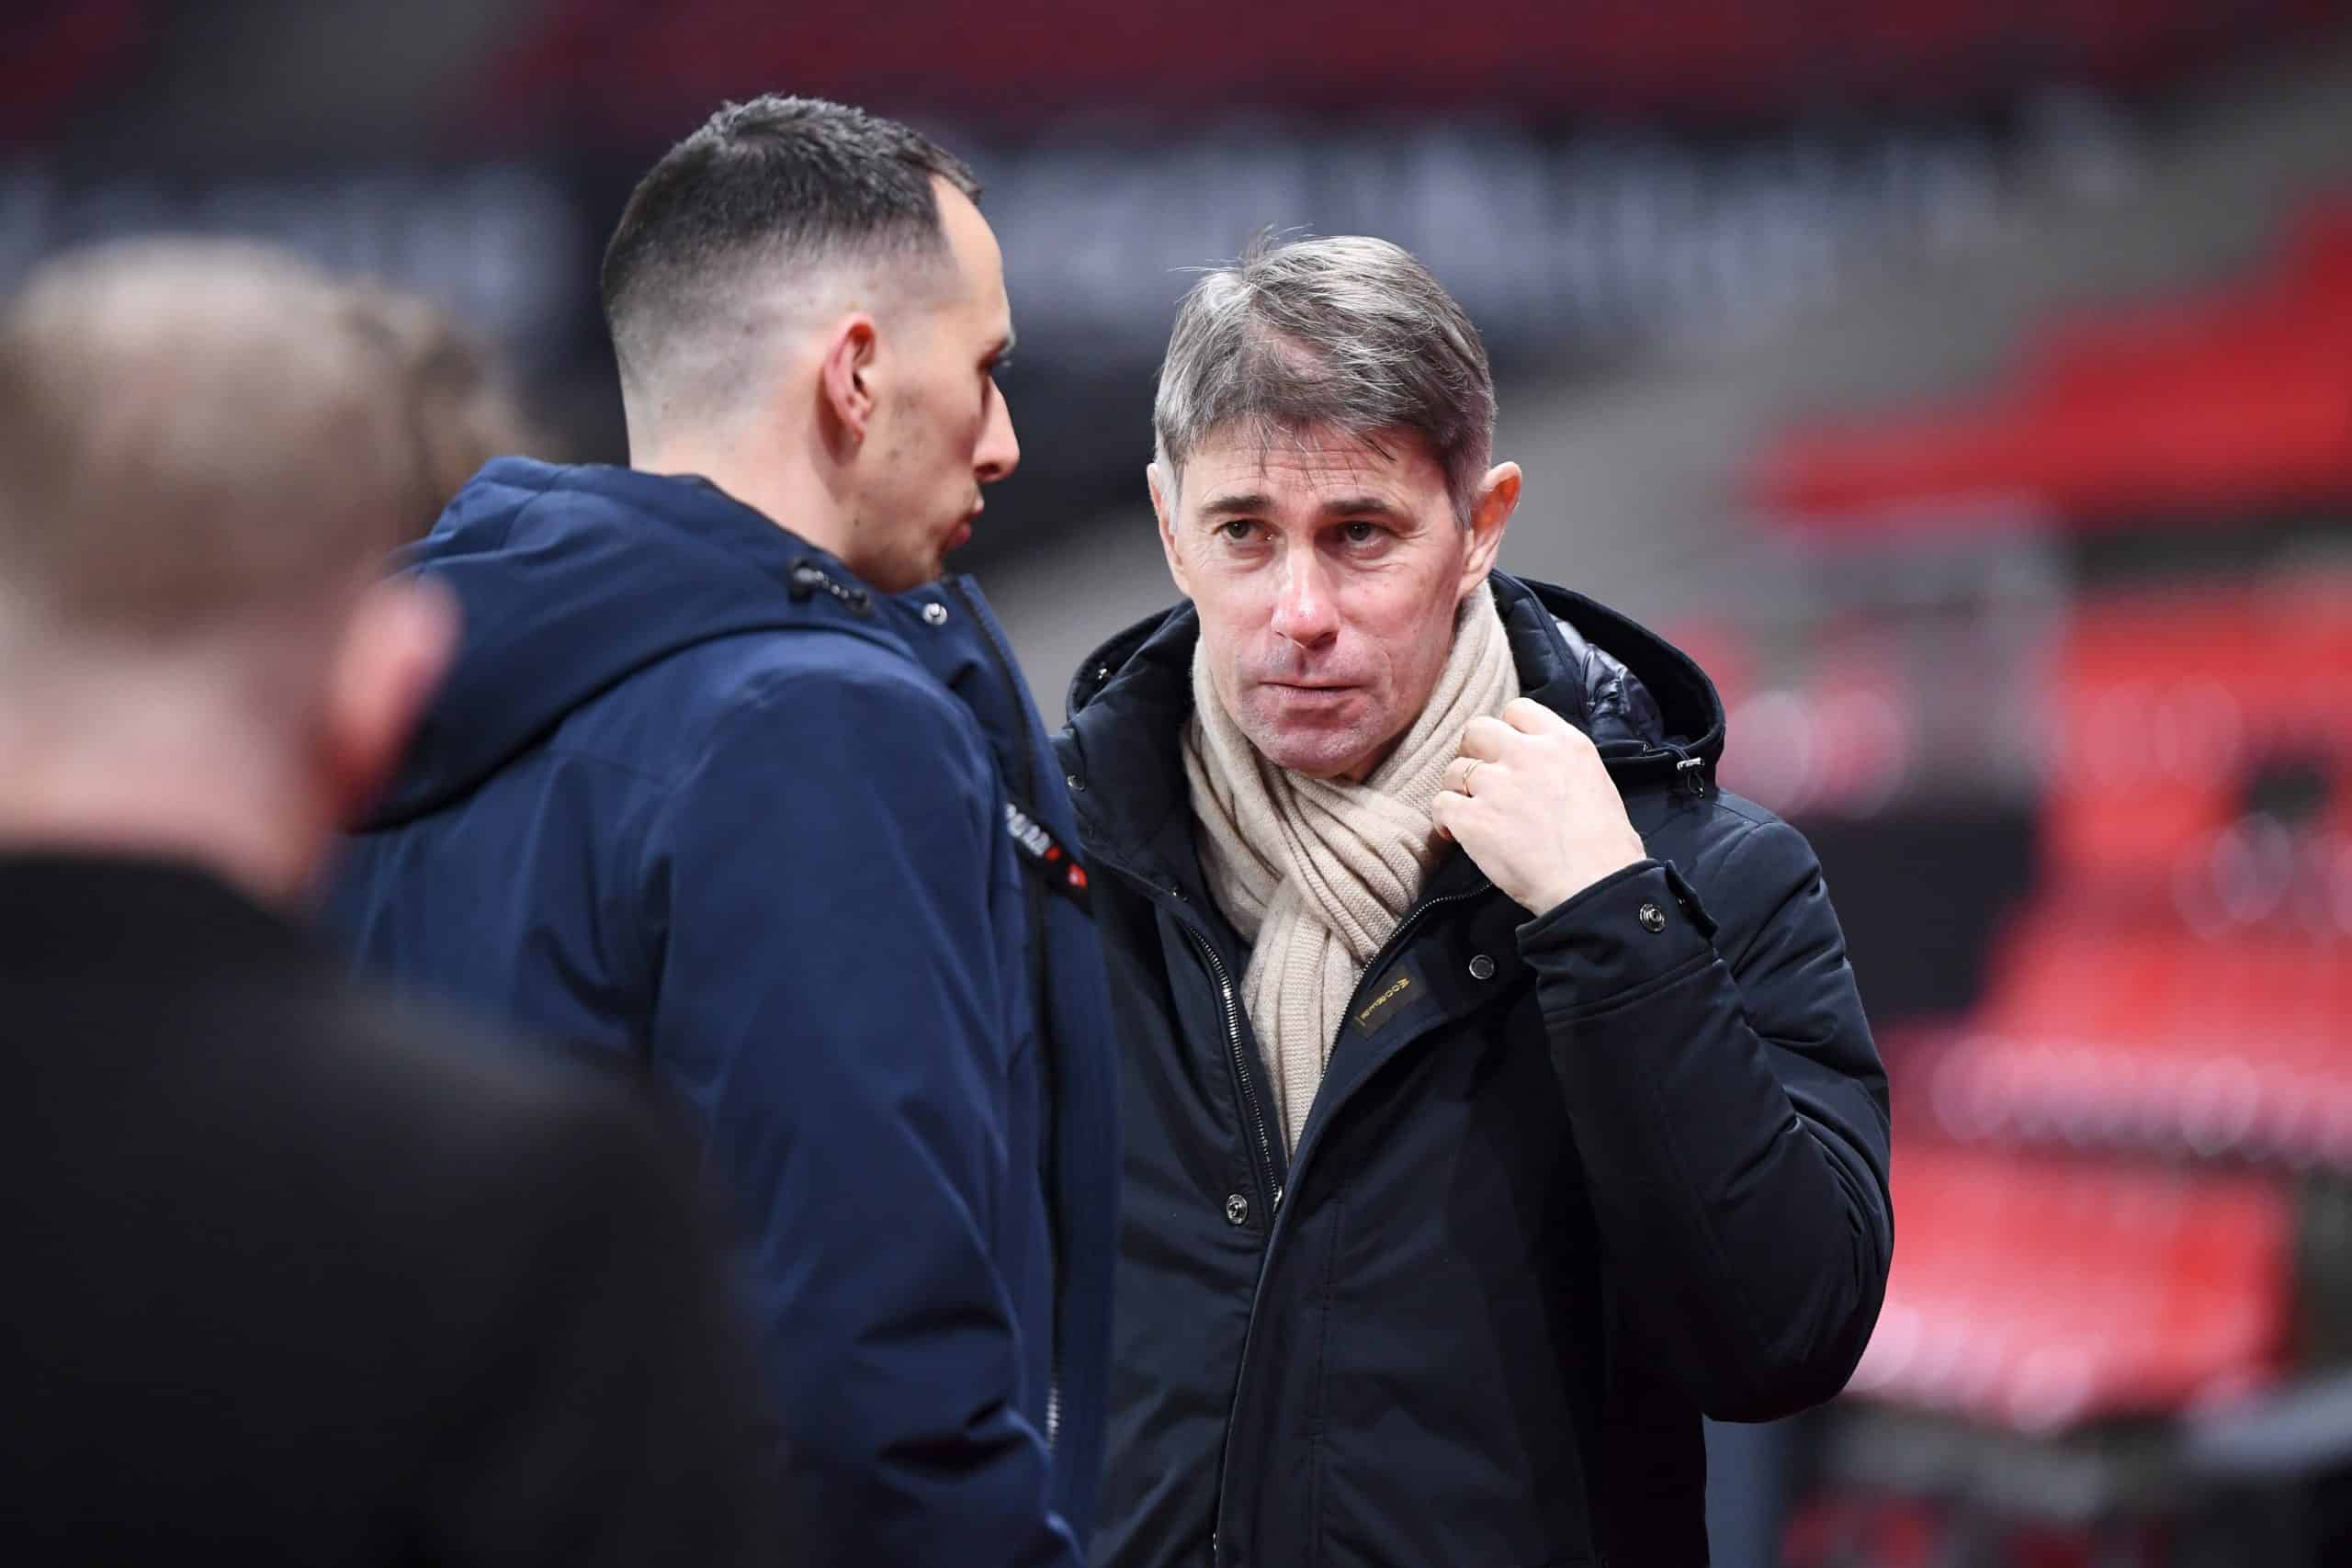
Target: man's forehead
point(1314, 462)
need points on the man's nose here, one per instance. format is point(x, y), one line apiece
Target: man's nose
point(998, 452)
point(1305, 612)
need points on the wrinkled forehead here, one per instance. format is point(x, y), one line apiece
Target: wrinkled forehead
point(1311, 466)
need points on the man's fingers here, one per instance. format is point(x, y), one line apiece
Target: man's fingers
point(1531, 718)
point(1443, 809)
point(1485, 737)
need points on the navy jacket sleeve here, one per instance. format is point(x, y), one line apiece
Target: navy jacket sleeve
point(831, 1000)
point(1731, 1114)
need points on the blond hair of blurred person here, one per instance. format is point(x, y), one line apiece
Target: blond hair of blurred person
point(463, 403)
point(293, 1272)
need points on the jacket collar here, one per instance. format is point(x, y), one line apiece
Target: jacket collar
point(570, 580)
point(1651, 710)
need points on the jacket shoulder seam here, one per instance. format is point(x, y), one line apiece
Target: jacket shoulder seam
point(1746, 811)
point(533, 495)
point(898, 674)
point(763, 691)
point(710, 712)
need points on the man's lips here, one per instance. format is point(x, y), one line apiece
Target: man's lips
point(1305, 691)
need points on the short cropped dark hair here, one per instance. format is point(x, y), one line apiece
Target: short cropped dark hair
point(775, 181)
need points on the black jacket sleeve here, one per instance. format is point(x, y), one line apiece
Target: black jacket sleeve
point(1731, 1112)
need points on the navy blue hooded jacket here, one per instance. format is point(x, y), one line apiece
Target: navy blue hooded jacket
point(694, 794)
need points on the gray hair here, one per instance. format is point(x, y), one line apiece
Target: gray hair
point(1349, 333)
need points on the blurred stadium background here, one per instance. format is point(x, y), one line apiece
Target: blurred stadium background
point(1968, 383)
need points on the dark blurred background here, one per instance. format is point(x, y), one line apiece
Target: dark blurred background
point(1968, 385)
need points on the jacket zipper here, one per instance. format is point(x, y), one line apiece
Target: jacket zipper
point(1270, 1184)
point(1264, 1167)
point(1250, 1330)
point(1031, 898)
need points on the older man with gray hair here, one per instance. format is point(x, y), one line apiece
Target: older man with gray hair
point(1499, 1097)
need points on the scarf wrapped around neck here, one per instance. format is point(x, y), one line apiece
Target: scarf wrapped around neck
point(1316, 873)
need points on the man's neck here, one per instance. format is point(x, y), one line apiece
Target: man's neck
point(789, 492)
point(230, 815)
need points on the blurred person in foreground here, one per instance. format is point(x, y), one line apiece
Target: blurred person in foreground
point(1499, 1096)
point(728, 780)
point(293, 1274)
point(459, 398)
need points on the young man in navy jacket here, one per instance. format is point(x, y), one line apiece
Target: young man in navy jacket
point(727, 778)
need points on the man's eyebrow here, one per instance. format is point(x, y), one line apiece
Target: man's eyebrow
point(1251, 503)
point(1237, 503)
point(1362, 506)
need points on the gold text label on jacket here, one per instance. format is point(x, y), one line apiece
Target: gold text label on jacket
point(1383, 1004)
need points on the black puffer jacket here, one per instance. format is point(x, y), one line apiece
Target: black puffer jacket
point(1570, 1182)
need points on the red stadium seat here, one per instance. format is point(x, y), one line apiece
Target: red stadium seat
point(2202, 405)
point(2042, 1294)
point(2162, 706)
point(2153, 1038)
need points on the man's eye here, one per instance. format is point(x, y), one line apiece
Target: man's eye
point(1238, 530)
point(1361, 532)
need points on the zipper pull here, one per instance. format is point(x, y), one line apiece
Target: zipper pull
point(806, 578)
point(1690, 772)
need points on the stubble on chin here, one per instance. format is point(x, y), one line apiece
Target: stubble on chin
point(1316, 751)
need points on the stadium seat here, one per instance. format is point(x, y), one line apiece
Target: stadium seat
point(2201, 406)
point(2043, 1292)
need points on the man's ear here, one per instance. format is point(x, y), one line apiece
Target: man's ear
point(1163, 507)
point(847, 374)
point(395, 648)
point(1490, 514)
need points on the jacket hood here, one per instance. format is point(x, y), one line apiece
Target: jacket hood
point(570, 580)
point(1647, 706)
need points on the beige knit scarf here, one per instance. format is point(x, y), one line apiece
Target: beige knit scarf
point(1316, 873)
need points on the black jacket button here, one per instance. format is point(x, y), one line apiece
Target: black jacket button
point(1653, 918)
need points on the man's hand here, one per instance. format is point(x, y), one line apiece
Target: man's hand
point(1531, 801)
